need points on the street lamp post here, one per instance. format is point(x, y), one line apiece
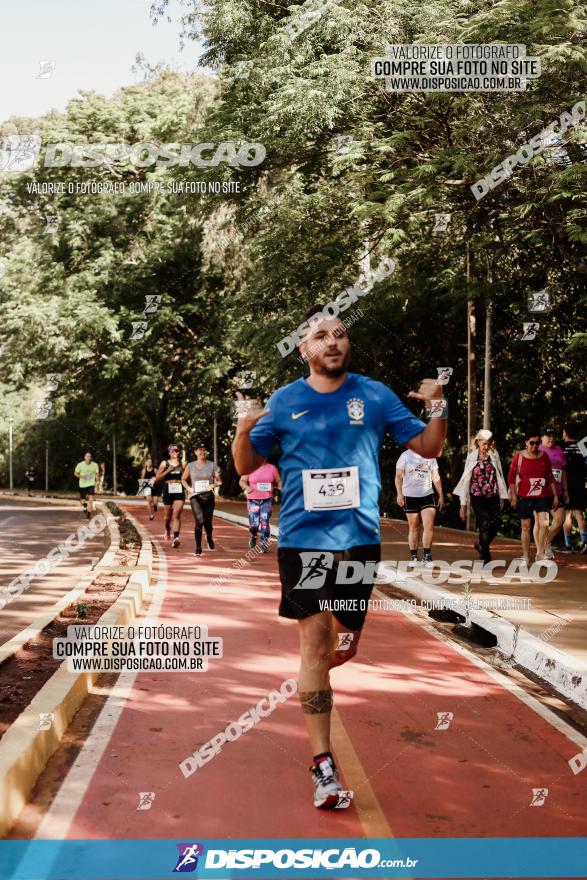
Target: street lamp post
point(46, 467)
point(11, 477)
point(114, 477)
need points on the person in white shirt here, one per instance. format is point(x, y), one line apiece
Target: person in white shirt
point(414, 478)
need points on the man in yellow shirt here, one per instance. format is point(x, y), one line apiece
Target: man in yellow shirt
point(87, 473)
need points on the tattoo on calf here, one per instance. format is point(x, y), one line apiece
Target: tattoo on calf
point(316, 702)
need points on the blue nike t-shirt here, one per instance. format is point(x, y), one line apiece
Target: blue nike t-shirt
point(330, 434)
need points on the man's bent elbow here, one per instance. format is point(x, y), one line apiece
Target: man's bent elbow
point(237, 458)
point(244, 461)
point(431, 448)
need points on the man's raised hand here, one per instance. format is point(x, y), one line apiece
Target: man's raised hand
point(248, 413)
point(429, 390)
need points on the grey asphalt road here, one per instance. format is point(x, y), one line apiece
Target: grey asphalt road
point(28, 531)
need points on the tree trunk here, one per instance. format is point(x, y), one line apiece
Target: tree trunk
point(157, 420)
point(471, 373)
point(487, 366)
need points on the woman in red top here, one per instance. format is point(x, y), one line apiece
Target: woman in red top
point(533, 491)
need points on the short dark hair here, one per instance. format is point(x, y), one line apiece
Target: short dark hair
point(531, 432)
point(313, 310)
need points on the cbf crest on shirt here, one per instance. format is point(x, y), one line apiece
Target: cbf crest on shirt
point(356, 410)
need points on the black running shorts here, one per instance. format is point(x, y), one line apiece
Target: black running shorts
point(170, 497)
point(415, 505)
point(309, 583)
point(87, 490)
point(577, 498)
point(529, 506)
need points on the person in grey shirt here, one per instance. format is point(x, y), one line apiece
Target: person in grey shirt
point(200, 478)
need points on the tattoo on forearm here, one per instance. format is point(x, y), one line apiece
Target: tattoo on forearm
point(316, 702)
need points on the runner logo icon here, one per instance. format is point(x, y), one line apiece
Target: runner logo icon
point(539, 796)
point(146, 799)
point(536, 484)
point(314, 569)
point(187, 860)
point(344, 641)
point(444, 719)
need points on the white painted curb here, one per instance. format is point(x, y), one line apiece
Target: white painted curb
point(562, 671)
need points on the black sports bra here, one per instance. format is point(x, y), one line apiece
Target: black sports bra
point(175, 474)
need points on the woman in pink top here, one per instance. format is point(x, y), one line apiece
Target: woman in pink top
point(558, 463)
point(259, 487)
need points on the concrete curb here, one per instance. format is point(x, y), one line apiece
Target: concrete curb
point(25, 748)
point(71, 498)
point(71, 501)
point(559, 670)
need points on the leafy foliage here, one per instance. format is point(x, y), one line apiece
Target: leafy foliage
point(237, 271)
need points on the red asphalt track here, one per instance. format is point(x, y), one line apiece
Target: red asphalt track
point(473, 780)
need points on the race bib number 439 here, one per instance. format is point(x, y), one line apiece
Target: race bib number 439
point(336, 489)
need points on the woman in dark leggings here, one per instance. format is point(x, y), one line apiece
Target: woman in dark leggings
point(484, 485)
point(200, 478)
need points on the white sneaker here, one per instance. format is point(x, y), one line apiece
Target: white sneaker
point(327, 785)
point(428, 562)
point(548, 554)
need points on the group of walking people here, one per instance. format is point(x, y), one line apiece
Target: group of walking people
point(545, 484)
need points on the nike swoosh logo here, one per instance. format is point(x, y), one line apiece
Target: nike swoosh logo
point(300, 414)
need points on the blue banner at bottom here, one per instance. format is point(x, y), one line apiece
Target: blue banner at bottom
point(536, 857)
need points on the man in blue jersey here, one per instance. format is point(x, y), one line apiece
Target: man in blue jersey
point(330, 427)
